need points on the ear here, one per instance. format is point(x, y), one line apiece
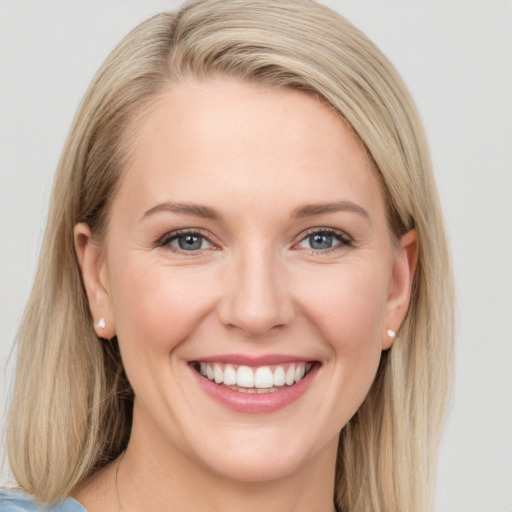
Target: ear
point(95, 279)
point(404, 267)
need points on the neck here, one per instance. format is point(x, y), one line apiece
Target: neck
point(154, 474)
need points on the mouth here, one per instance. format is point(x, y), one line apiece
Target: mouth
point(254, 379)
point(254, 386)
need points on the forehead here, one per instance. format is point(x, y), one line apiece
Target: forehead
point(227, 140)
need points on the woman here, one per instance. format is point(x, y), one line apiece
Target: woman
point(244, 297)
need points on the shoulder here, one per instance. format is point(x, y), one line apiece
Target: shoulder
point(12, 500)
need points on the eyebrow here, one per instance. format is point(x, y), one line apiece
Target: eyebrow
point(307, 210)
point(186, 208)
point(310, 210)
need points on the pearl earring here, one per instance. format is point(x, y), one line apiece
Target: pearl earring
point(391, 333)
point(101, 323)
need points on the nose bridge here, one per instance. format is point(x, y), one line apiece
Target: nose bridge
point(257, 300)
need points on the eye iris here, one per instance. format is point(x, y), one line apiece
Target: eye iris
point(320, 241)
point(190, 242)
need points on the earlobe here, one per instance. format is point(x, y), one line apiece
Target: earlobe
point(404, 268)
point(95, 280)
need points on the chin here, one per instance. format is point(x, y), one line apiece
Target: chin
point(263, 454)
point(254, 468)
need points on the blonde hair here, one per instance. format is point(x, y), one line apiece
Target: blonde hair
point(71, 410)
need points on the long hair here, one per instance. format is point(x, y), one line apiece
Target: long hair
point(71, 409)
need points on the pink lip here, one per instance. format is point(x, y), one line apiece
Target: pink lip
point(253, 361)
point(254, 403)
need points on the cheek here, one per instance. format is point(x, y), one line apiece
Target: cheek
point(350, 319)
point(347, 304)
point(157, 306)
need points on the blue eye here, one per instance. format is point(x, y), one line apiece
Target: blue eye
point(185, 241)
point(189, 242)
point(325, 239)
point(320, 241)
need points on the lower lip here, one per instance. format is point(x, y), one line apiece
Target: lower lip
point(256, 403)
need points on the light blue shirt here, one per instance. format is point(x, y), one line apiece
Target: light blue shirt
point(18, 501)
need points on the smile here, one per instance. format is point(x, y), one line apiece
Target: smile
point(254, 385)
point(261, 379)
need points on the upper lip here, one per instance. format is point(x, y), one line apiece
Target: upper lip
point(251, 360)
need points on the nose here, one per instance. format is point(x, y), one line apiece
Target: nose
point(257, 300)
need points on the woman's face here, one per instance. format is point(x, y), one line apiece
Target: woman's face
point(247, 246)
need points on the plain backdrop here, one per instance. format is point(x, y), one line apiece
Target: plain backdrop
point(455, 56)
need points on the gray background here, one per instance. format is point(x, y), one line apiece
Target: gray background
point(456, 57)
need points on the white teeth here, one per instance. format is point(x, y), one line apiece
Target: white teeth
point(229, 375)
point(290, 375)
point(263, 378)
point(245, 377)
point(279, 376)
point(218, 374)
point(255, 380)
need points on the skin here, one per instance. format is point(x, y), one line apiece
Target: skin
point(256, 287)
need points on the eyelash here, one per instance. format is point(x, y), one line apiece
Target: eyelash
point(344, 240)
point(165, 241)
